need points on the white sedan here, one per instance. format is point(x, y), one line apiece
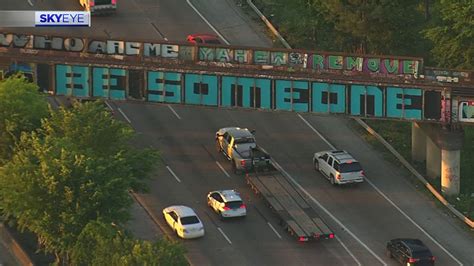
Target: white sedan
point(184, 221)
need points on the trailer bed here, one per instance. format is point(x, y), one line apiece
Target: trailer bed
point(294, 211)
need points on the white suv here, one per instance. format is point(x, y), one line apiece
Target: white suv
point(227, 203)
point(339, 167)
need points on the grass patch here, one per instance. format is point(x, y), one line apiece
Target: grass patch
point(398, 134)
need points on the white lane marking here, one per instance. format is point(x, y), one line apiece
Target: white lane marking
point(274, 230)
point(207, 22)
point(389, 200)
point(327, 212)
point(124, 115)
point(108, 105)
point(174, 112)
point(30, 3)
point(348, 250)
point(222, 168)
point(173, 174)
point(317, 132)
point(225, 236)
point(413, 222)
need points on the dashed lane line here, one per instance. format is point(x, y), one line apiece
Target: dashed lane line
point(328, 213)
point(108, 105)
point(173, 174)
point(207, 22)
point(174, 112)
point(274, 230)
point(225, 236)
point(124, 115)
point(348, 250)
point(222, 168)
point(317, 132)
point(388, 199)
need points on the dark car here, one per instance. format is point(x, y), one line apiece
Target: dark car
point(203, 39)
point(409, 252)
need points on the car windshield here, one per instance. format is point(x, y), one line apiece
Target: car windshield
point(350, 167)
point(244, 140)
point(189, 220)
point(233, 204)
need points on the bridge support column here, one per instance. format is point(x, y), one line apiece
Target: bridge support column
point(418, 143)
point(443, 153)
point(433, 159)
point(450, 172)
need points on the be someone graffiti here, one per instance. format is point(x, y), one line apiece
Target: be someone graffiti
point(248, 92)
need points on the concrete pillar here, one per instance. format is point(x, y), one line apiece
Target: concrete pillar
point(433, 159)
point(450, 172)
point(418, 143)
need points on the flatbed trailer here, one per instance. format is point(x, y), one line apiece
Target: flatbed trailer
point(296, 215)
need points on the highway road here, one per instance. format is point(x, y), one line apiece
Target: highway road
point(363, 217)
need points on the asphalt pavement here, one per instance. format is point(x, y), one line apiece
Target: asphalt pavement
point(6, 257)
point(364, 217)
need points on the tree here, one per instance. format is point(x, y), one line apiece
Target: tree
point(76, 168)
point(105, 244)
point(453, 34)
point(363, 26)
point(376, 27)
point(21, 109)
point(301, 22)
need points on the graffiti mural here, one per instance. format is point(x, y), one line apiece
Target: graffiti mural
point(76, 81)
point(466, 111)
point(245, 92)
point(284, 59)
point(248, 92)
point(164, 87)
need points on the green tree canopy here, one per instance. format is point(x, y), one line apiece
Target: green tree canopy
point(105, 244)
point(375, 26)
point(77, 167)
point(364, 26)
point(453, 34)
point(21, 109)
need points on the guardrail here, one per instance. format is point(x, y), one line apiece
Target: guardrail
point(412, 170)
point(435, 193)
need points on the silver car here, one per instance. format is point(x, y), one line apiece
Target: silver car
point(227, 203)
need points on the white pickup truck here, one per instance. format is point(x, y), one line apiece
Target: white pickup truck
point(339, 167)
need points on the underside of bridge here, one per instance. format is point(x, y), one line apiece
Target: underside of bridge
point(440, 147)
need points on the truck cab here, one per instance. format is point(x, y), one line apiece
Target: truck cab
point(99, 6)
point(239, 146)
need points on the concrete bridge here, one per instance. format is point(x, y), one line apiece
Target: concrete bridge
point(438, 102)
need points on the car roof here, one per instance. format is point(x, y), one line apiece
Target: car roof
point(182, 211)
point(342, 156)
point(230, 195)
point(413, 244)
point(238, 132)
